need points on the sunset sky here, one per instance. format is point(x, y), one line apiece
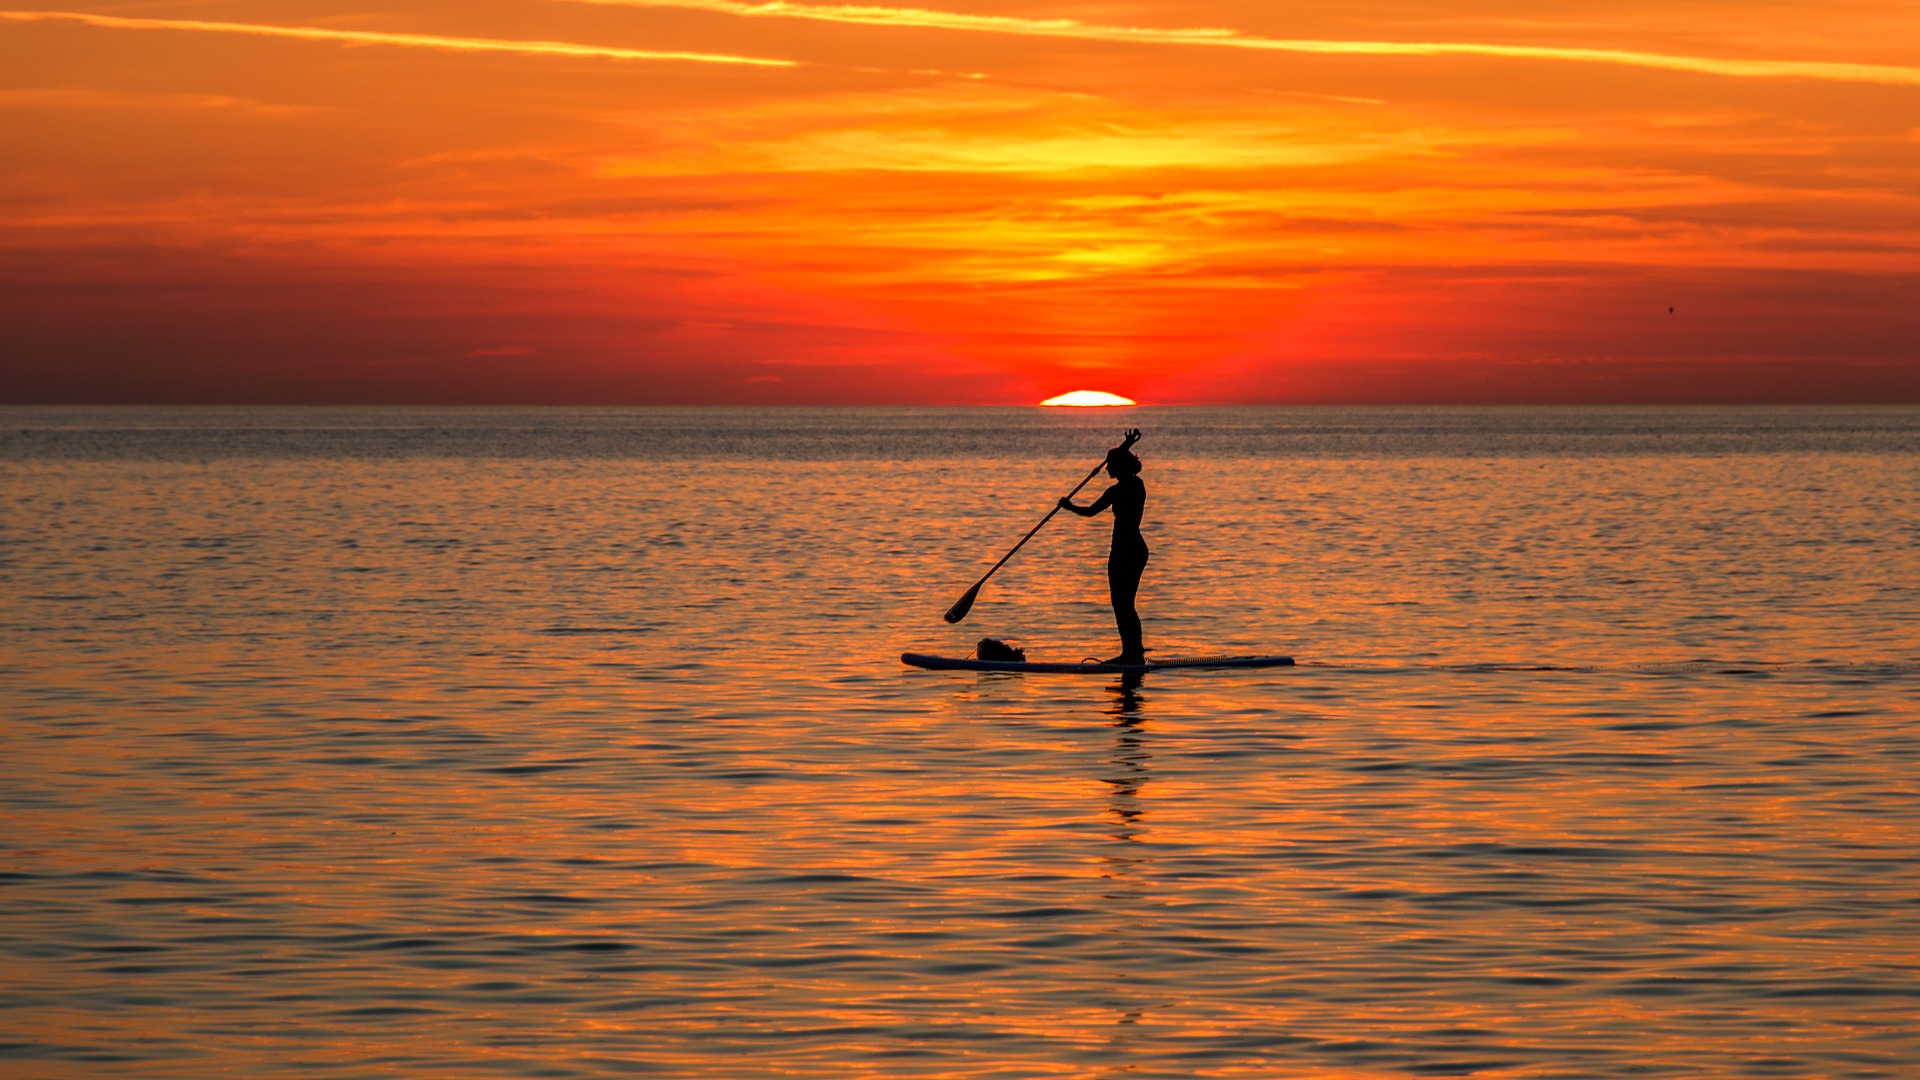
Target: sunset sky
point(980, 202)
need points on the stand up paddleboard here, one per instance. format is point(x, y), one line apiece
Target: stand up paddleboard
point(968, 663)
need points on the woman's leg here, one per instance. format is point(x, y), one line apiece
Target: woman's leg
point(1123, 584)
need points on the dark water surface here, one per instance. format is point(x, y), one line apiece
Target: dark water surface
point(553, 743)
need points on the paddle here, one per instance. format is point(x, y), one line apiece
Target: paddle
point(965, 604)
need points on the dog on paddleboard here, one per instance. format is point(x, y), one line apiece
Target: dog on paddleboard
point(992, 649)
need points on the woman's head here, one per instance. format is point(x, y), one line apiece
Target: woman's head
point(1121, 462)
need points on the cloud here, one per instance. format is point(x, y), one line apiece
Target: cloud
point(371, 37)
point(1213, 147)
point(119, 100)
point(1010, 131)
point(1217, 37)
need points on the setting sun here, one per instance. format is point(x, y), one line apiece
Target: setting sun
point(1089, 398)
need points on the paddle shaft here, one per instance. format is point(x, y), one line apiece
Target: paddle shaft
point(1036, 528)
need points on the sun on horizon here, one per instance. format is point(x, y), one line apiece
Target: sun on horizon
point(1088, 398)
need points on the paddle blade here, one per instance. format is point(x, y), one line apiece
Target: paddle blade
point(963, 605)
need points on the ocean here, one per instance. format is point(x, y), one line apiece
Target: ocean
point(575, 743)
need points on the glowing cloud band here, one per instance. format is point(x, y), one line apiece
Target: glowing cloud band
point(371, 37)
point(1887, 74)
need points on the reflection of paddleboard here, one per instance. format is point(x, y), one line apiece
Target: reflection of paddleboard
point(968, 663)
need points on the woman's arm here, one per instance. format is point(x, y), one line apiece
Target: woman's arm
point(1105, 500)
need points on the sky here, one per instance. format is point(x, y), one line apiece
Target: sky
point(981, 202)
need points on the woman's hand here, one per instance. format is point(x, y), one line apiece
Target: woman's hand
point(1066, 503)
point(1133, 436)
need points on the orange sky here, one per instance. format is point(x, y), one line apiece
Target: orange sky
point(712, 201)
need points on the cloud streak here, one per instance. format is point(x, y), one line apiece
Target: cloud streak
point(1830, 71)
point(413, 41)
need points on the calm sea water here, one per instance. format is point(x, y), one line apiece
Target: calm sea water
point(556, 743)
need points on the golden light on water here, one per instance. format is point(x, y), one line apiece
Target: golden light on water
point(1088, 398)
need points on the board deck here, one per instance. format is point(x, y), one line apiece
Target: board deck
point(968, 663)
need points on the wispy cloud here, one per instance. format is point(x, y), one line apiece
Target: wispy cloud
point(1831, 71)
point(372, 37)
point(118, 100)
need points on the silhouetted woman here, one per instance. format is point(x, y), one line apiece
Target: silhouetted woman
point(1128, 498)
